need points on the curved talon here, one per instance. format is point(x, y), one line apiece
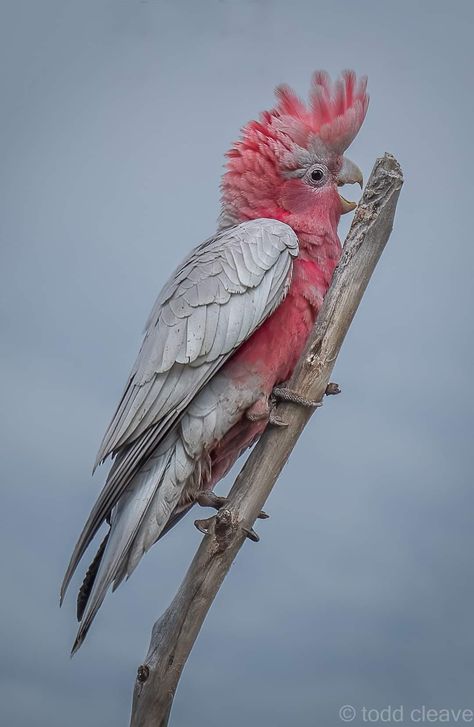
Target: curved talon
point(251, 534)
point(203, 525)
point(210, 499)
point(276, 421)
point(285, 394)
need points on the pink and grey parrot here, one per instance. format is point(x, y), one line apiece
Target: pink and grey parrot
point(226, 330)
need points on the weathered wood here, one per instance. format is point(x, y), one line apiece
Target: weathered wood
point(174, 633)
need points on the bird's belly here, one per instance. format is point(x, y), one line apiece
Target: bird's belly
point(267, 359)
point(239, 438)
point(216, 428)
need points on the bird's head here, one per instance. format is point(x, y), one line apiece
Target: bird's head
point(290, 164)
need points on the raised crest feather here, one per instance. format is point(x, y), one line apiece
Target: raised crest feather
point(335, 112)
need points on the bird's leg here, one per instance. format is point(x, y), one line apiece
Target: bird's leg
point(283, 393)
point(210, 499)
point(275, 419)
point(263, 410)
point(204, 525)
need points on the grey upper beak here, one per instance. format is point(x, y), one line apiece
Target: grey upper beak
point(349, 173)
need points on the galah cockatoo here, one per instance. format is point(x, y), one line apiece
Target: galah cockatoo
point(227, 329)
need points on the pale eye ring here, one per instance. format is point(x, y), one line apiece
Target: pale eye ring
point(316, 175)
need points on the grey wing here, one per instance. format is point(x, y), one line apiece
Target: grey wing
point(215, 300)
point(221, 293)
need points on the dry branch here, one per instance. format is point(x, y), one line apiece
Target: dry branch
point(175, 632)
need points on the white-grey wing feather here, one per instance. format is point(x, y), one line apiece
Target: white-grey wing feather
point(216, 299)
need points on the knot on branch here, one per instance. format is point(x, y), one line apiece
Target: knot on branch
point(143, 672)
point(220, 526)
point(224, 527)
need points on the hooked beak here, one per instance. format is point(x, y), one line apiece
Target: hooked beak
point(348, 174)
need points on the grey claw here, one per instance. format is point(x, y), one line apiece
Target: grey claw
point(277, 421)
point(210, 499)
point(203, 525)
point(251, 534)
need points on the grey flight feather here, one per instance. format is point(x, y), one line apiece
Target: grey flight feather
point(215, 300)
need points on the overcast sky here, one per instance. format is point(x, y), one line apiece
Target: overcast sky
point(115, 118)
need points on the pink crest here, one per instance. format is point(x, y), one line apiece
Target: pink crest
point(288, 138)
point(334, 114)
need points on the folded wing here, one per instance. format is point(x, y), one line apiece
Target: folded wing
point(215, 300)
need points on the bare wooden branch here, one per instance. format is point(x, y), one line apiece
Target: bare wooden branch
point(174, 633)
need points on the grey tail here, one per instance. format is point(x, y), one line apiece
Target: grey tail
point(135, 524)
point(89, 578)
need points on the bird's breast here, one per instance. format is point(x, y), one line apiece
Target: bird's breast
point(273, 350)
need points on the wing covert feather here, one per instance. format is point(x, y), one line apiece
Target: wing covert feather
point(214, 301)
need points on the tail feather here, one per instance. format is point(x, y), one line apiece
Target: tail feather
point(178, 513)
point(160, 492)
point(137, 521)
point(89, 578)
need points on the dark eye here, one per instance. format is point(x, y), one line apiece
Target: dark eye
point(317, 175)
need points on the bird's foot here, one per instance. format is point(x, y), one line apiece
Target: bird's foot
point(210, 499)
point(284, 394)
point(204, 526)
point(263, 410)
point(275, 420)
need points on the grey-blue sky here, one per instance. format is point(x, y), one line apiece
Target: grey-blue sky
point(115, 119)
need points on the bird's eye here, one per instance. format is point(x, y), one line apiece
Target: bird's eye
point(316, 175)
